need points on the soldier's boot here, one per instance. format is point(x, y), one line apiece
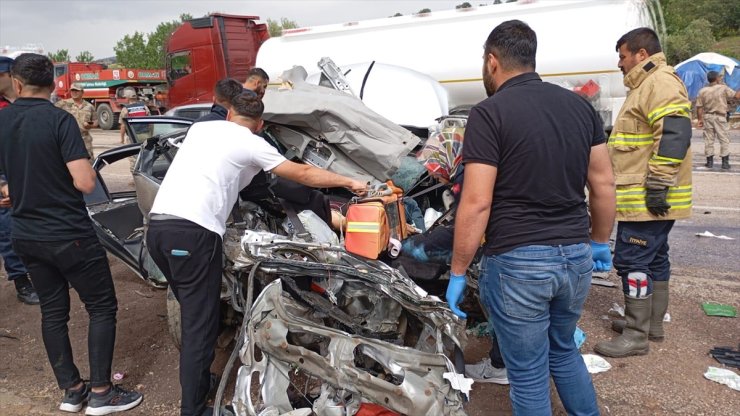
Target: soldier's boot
point(658, 310)
point(710, 162)
point(634, 338)
point(726, 162)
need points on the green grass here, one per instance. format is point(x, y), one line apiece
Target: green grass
point(729, 46)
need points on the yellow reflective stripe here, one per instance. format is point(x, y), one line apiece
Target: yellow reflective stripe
point(680, 109)
point(630, 139)
point(662, 160)
point(363, 227)
point(633, 199)
point(633, 136)
point(644, 209)
point(672, 189)
point(626, 143)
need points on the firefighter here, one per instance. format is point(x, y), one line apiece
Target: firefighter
point(649, 150)
point(711, 110)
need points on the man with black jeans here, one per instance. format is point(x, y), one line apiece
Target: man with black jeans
point(46, 162)
point(188, 221)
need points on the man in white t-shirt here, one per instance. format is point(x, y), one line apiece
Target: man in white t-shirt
point(188, 219)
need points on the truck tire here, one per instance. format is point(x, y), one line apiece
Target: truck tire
point(173, 318)
point(107, 119)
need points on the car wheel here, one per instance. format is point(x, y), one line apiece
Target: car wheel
point(107, 119)
point(173, 318)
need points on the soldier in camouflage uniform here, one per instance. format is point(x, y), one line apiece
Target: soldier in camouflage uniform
point(83, 112)
point(711, 109)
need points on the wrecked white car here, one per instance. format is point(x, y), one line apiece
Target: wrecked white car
point(322, 330)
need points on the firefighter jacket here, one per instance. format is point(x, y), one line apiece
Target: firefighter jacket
point(650, 144)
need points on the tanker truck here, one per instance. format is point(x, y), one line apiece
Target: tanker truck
point(576, 46)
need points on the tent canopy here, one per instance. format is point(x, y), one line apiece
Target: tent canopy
point(693, 71)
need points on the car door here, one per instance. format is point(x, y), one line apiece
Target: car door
point(116, 214)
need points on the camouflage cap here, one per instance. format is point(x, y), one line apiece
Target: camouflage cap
point(76, 87)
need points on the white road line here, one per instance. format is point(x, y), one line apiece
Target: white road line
point(702, 171)
point(701, 207)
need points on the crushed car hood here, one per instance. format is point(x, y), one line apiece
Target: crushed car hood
point(362, 141)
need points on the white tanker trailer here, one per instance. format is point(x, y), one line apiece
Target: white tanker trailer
point(576, 45)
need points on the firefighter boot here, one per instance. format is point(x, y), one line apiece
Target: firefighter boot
point(634, 338)
point(726, 162)
point(710, 162)
point(659, 308)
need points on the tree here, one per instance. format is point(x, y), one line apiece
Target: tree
point(695, 38)
point(147, 51)
point(397, 14)
point(723, 16)
point(61, 55)
point(131, 51)
point(422, 11)
point(84, 56)
point(276, 28)
point(465, 5)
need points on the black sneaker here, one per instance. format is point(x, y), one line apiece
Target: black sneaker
point(114, 400)
point(75, 399)
point(27, 294)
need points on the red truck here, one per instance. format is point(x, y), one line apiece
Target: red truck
point(104, 87)
point(203, 50)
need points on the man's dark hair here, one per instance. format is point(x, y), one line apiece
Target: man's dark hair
point(226, 89)
point(247, 105)
point(258, 72)
point(514, 44)
point(712, 76)
point(641, 38)
point(34, 70)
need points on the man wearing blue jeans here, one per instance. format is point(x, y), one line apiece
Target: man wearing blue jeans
point(531, 149)
point(15, 269)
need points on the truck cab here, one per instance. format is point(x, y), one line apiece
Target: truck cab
point(204, 50)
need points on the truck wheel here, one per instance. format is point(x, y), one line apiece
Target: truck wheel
point(107, 119)
point(173, 318)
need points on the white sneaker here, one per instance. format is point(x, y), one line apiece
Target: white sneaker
point(484, 372)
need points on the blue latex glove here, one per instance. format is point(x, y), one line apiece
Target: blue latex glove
point(602, 256)
point(454, 295)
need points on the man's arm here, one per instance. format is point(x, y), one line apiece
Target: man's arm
point(121, 116)
point(700, 116)
point(602, 194)
point(83, 175)
point(4, 195)
point(472, 214)
point(317, 178)
point(94, 117)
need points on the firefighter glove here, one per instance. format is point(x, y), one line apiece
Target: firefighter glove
point(455, 289)
point(602, 256)
point(656, 203)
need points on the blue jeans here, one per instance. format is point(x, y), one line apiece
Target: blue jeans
point(13, 265)
point(534, 296)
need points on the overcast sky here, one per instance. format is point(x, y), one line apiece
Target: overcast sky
point(96, 25)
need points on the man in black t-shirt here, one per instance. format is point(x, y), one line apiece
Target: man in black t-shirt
point(530, 150)
point(45, 160)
